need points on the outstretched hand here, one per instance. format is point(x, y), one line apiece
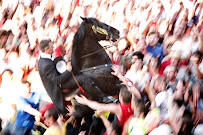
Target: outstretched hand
point(116, 71)
point(81, 99)
point(70, 109)
point(99, 113)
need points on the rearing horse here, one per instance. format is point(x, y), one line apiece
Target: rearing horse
point(90, 58)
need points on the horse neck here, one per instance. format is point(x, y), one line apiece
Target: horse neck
point(90, 46)
point(93, 50)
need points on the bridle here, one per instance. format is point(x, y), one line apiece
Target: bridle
point(109, 37)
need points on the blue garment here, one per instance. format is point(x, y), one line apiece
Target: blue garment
point(156, 51)
point(25, 120)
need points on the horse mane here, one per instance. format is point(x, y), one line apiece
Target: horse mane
point(77, 41)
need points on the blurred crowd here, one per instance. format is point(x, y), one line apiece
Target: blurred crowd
point(158, 57)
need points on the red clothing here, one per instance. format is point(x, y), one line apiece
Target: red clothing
point(60, 19)
point(43, 110)
point(163, 66)
point(126, 113)
point(168, 62)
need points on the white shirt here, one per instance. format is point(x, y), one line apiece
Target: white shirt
point(45, 55)
point(138, 77)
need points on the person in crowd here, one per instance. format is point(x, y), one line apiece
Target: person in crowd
point(174, 59)
point(135, 125)
point(50, 77)
point(122, 110)
point(27, 109)
point(137, 69)
point(154, 47)
point(8, 99)
point(50, 118)
point(171, 78)
point(111, 128)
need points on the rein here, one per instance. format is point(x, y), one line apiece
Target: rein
point(105, 47)
point(96, 67)
point(78, 83)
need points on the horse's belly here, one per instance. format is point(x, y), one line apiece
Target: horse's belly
point(104, 80)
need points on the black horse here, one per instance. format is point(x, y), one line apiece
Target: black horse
point(90, 59)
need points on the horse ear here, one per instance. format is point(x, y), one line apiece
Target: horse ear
point(83, 18)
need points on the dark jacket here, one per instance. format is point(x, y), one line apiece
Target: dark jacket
point(52, 81)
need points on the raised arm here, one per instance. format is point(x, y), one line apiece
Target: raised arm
point(106, 122)
point(29, 109)
point(112, 107)
point(126, 82)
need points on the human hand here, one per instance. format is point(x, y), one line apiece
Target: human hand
point(116, 57)
point(99, 113)
point(82, 133)
point(81, 99)
point(116, 71)
point(70, 109)
point(38, 117)
point(69, 66)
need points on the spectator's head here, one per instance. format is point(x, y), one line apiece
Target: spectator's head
point(180, 30)
point(6, 75)
point(187, 123)
point(50, 117)
point(52, 30)
point(180, 90)
point(195, 31)
point(139, 108)
point(137, 55)
point(160, 84)
point(26, 86)
point(154, 63)
point(137, 60)
point(116, 129)
point(168, 43)
point(171, 73)
point(168, 49)
point(142, 45)
point(46, 46)
point(163, 26)
point(125, 95)
point(152, 38)
point(198, 55)
point(123, 45)
point(175, 57)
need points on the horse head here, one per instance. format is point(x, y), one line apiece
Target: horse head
point(100, 30)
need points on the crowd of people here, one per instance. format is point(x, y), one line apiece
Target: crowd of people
point(158, 58)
